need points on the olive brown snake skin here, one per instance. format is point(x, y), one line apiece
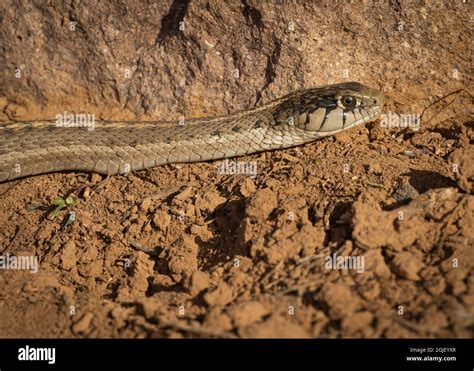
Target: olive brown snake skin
point(30, 148)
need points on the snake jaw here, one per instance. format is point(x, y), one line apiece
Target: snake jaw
point(338, 107)
point(364, 119)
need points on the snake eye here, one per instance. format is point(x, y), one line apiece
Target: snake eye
point(348, 101)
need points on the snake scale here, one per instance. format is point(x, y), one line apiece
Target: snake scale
point(30, 148)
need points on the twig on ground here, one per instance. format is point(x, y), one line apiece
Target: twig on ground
point(436, 102)
point(147, 250)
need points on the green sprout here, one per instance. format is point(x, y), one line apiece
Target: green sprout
point(62, 203)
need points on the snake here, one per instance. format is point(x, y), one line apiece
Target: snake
point(117, 147)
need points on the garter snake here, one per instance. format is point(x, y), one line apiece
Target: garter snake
point(30, 148)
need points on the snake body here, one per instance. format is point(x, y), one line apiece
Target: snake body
point(30, 148)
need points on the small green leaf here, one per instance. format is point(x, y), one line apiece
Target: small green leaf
point(59, 201)
point(55, 212)
point(71, 200)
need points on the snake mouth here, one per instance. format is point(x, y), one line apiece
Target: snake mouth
point(359, 116)
point(369, 114)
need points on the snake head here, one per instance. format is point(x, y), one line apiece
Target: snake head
point(328, 110)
